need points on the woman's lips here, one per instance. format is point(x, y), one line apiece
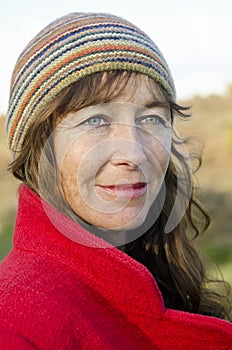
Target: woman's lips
point(128, 191)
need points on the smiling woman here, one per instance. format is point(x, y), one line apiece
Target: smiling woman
point(104, 185)
point(103, 243)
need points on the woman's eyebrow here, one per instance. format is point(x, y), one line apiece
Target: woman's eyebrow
point(160, 104)
point(156, 104)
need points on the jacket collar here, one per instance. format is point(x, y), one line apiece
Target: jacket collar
point(43, 230)
point(125, 284)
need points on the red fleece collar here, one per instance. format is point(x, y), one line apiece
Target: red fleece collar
point(124, 282)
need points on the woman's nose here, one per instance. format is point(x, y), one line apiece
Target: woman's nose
point(128, 148)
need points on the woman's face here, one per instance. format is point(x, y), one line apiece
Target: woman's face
point(112, 157)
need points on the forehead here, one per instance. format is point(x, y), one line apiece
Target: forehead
point(140, 90)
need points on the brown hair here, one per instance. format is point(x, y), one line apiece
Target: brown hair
point(171, 257)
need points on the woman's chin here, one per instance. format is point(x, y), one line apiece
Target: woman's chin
point(123, 222)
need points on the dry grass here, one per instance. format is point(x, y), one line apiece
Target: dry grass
point(211, 123)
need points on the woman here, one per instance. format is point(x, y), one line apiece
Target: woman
point(103, 255)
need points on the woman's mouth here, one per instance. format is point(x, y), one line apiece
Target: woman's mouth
point(127, 191)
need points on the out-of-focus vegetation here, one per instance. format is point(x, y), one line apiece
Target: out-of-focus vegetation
point(8, 195)
point(211, 124)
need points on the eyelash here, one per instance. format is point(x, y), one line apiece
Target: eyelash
point(156, 117)
point(100, 117)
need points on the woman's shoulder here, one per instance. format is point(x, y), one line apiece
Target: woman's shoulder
point(31, 276)
point(38, 296)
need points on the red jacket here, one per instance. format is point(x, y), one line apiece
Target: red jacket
point(58, 294)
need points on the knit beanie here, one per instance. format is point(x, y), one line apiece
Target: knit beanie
point(73, 47)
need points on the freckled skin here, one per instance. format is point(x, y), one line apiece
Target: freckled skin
point(113, 158)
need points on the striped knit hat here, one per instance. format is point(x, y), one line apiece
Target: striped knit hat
point(70, 48)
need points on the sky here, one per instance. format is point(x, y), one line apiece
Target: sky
point(194, 36)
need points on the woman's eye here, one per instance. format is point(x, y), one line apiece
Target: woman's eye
point(152, 120)
point(95, 121)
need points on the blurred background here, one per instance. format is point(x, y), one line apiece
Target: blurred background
point(194, 38)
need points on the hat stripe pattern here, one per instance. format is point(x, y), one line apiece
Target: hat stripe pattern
point(69, 49)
